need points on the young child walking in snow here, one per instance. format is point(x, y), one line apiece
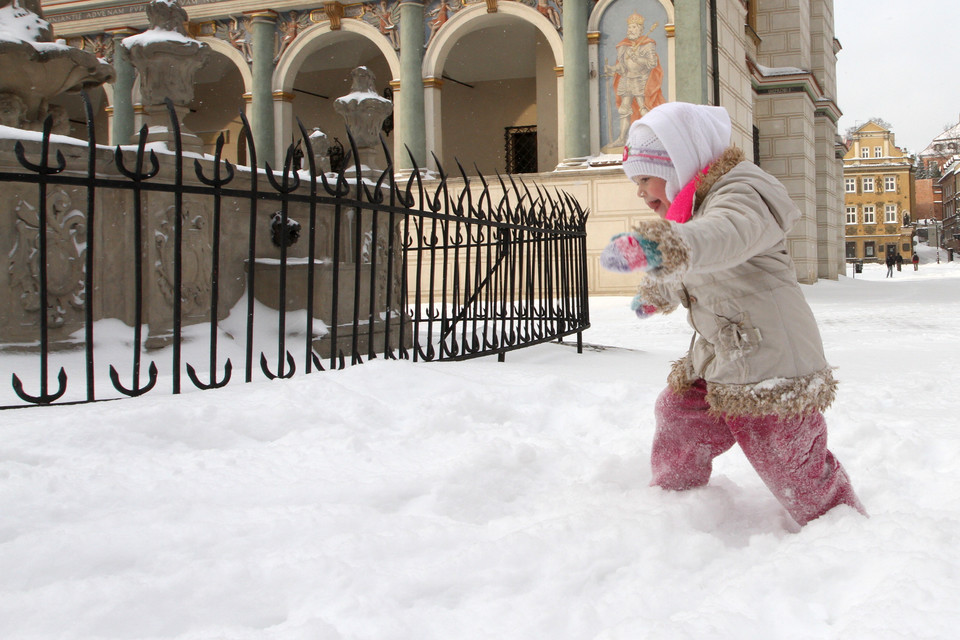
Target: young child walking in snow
point(755, 374)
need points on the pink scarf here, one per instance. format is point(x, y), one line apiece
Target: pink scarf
point(681, 209)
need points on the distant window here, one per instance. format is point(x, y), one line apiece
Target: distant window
point(878, 152)
point(869, 214)
point(851, 249)
point(890, 183)
point(869, 250)
point(865, 152)
point(850, 185)
point(868, 185)
point(521, 149)
point(851, 215)
point(890, 214)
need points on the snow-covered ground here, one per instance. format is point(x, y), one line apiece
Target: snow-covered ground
point(485, 500)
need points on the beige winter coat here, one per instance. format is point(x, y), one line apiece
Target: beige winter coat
point(757, 344)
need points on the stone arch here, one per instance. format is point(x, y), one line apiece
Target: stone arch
point(292, 61)
point(313, 38)
point(239, 60)
point(224, 94)
point(604, 116)
point(549, 57)
point(593, 22)
point(476, 17)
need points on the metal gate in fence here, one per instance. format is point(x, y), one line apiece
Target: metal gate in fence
point(194, 267)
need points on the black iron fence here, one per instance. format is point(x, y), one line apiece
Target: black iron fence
point(287, 271)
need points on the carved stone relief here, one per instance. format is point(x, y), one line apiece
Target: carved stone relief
point(66, 244)
point(196, 256)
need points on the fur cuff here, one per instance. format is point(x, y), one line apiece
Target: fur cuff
point(674, 252)
point(777, 396)
point(649, 289)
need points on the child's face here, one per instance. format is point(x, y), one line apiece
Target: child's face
point(654, 193)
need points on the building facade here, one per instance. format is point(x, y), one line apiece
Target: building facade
point(949, 186)
point(879, 198)
point(517, 86)
point(931, 163)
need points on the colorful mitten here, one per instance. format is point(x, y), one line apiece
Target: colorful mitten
point(642, 307)
point(630, 252)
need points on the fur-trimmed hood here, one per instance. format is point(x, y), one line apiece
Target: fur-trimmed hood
point(730, 158)
point(784, 211)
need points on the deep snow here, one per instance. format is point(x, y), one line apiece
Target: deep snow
point(481, 500)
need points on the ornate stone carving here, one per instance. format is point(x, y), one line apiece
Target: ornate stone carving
point(334, 13)
point(364, 110)
point(320, 145)
point(66, 247)
point(167, 60)
point(165, 56)
point(195, 258)
point(35, 69)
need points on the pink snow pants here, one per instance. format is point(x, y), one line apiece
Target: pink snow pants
point(790, 453)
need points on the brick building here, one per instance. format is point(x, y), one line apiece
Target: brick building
point(930, 165)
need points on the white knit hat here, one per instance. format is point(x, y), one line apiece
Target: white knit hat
point(645, 155)
point(686, 137)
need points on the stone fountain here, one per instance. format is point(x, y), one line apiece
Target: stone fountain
point(34, 68)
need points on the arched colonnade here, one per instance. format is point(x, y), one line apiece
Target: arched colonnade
point(460, 86)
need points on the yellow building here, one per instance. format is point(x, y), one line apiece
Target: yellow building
point(878, 196)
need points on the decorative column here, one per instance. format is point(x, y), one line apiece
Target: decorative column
point(576, 81)
point(122, 130)
point(410, 125)
point(284, 126)
point(691, 51)
point(263, 36)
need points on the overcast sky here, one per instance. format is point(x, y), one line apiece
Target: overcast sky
point(898, 63)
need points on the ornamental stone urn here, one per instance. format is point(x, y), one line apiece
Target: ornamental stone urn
point(167, 60)
point(364, 111)
point(35, 69)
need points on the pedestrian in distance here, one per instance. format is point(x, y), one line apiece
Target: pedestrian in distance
point(899, 260)
point(890, 264)
point(916, 262)
point(755, 374)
